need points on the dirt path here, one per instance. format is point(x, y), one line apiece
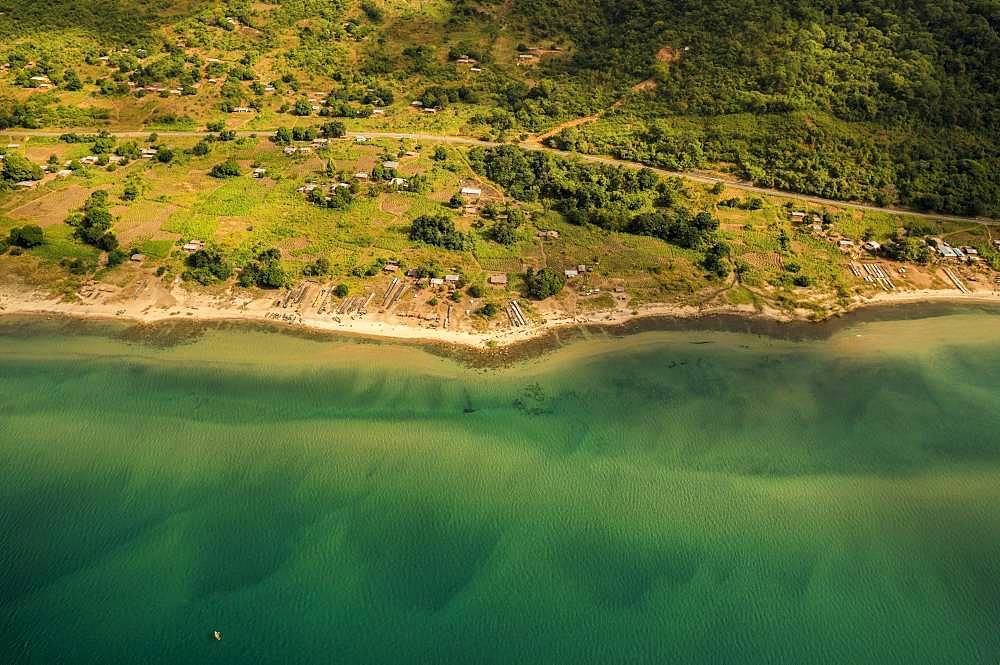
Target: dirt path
point(648, 84)
point(532, 144)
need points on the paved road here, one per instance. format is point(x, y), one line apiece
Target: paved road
point(693, 176)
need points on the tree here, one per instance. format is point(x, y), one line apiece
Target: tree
point(714, 260)
point(488, 310)
point(302, 108)
point(17, 168)
point(333, 129)
point(317, 268)
point(341, 290)
point(93, 225)
point(440, 154)
point(201, 148)
point(226, 169)
point(283, 136)
point(164, 155)
point(264, 272)
point(207, 266)
point(503, 231)
point(116, 257)
point(543, 283)
point(906, 248)
point(27, 236)
point(437, 230)
point(475, 291)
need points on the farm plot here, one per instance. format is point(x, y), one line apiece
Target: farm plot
point(51, 208)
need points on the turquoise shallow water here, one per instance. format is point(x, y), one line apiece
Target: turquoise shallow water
point(683, 497)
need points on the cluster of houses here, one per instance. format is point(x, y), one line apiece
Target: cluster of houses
point(474, 64)
point(417, 104)
point(946, 251)
point(41, 82)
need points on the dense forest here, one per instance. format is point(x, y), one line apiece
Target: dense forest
point(895, 101)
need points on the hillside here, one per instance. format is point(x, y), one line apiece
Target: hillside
point(254, 153)
point(895, 103)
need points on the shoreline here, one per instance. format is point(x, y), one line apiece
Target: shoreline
point(201, 309)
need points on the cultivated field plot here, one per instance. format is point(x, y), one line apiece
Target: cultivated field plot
point(52, 207)
point(769, 261)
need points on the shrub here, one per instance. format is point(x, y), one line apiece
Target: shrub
point(116, 257)
point(543, 284)
point(437, 230)
point(27, 236)
point(226, 169)
point(207, 266)
point(265, 271)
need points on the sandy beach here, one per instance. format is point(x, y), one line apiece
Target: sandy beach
point(159, 304)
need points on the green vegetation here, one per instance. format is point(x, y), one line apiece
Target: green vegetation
point(542, 284)
point(207, 266)
point(438, 230)
point(93, 225)
point(17, 168)
point(264, 271)
point(894, 104)
point(226, 169)
point(26, 237)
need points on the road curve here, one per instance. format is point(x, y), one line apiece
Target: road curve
point(538, 147)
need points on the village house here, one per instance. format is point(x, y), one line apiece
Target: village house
point(290, 150)
point(137, 258)
point(570, 273)
point(361, 175)
point(242, 109)
point(872, 246)
point(436, 281)
point(306, 188)
point(399, 182)
point(64, 173)
point(259, 172)
point(498, 280)
point(193, 245)
point(148, 153)
point(390, 267)
point(845, 242)
point(548, 234)
point(452, 278)
point(471, 191)
point(27, 184)
point(360, 139)
point(89, 160)
point(390, 164)
point(378, 111)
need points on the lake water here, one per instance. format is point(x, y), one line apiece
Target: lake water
point(665, 497)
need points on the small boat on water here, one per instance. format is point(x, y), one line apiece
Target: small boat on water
point(217, 635)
